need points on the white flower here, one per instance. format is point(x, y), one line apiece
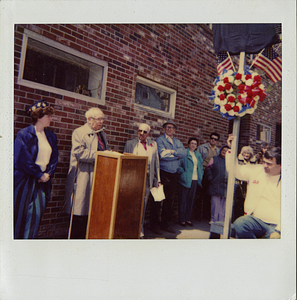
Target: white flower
point(256, 98)
point(249, 82)
point(223, 110)
point(237, 82)
point(231, 79)
point(231, 112)
point(261, 86)
point(217, 101)
point(229, 91)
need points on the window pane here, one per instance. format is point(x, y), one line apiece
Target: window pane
point(50, 66)
point(152, 97)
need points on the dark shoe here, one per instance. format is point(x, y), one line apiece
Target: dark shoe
point(182, 224)
point(189, 223)
point(156, 230)
point(168, 229)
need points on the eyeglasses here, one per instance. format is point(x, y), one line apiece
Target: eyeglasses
point(215, 139)
point(170, 127)
point(142, 131)
point(98, 119)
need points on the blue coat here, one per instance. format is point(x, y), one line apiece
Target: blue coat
point(170, 162)
point(186, 167)
point(25, 154)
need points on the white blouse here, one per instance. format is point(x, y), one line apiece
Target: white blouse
point(195, 176)
point(44, 151)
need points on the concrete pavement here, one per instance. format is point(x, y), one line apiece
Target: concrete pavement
point(200, 230)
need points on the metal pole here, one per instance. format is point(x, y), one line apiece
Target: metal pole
point(231, 178)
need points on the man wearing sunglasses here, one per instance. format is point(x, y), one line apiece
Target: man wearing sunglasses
point(171, 150)
point(207, 151)
point(144, 146)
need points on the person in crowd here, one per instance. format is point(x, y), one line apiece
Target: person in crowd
point(190, 176)
point(35, 161)
point(144, 146)
point(262, 205)
point(246, 156)
point(170, 150)
point(86, 141)
point(264, 147)
point(207, 151)
point(218, 177)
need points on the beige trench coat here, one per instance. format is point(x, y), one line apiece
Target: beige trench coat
point(82, 159)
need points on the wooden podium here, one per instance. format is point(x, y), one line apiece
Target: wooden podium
point(116, 203)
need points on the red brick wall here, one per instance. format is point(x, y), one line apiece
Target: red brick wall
point(178, 56)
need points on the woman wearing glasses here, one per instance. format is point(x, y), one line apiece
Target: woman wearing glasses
point(86, 141)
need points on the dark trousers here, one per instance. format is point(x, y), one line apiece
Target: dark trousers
point(79, 227)
point(185, 201)
point(170, 185)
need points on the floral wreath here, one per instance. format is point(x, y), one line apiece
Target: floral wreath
point(237, 93)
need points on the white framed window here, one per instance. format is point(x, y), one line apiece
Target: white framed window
point(53, 67)
point(155, 97)
point(263, 133)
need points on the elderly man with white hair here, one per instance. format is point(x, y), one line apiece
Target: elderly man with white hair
point(86, 141)
point(144, 146)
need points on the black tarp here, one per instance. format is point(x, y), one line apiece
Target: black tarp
point(248, 38)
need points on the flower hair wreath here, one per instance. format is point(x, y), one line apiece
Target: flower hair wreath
point(237, 93)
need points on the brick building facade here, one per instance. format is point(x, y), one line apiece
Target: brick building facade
point(178, 57)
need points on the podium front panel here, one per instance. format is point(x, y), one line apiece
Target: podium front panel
point(130, 198)
point(102, 198)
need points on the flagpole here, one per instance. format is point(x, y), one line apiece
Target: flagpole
point(231, 177)
point(258, 55)
point(231, 61)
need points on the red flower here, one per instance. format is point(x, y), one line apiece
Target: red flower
point(248, 76)
point(231, 99)
point(228, 107)
point(226, 80)
point(238, 76)
point(241, 87)
point(221, 88)
point(236, 108)
point(257, 78)
point(222, 97)
point(151, 145)
point(228, 86)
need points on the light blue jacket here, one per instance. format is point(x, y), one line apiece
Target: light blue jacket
point(186, 169)
point(170, 162)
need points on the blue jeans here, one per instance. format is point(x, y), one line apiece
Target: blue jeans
point(250, 227)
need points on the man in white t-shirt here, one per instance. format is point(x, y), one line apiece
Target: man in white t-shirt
point(262, 207)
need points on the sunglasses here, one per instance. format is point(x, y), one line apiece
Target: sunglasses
point(142, 131)
point(215, 139)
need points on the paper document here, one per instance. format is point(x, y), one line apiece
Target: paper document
point(158, 193)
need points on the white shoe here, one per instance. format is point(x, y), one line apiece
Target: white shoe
point(211, 222)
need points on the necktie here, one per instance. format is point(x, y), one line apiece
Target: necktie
point(144, 145)
point(100, 141)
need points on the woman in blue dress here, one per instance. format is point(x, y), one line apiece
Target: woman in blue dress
point(35, 160)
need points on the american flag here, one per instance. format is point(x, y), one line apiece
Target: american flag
point(270, 62)
point(224, 62)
